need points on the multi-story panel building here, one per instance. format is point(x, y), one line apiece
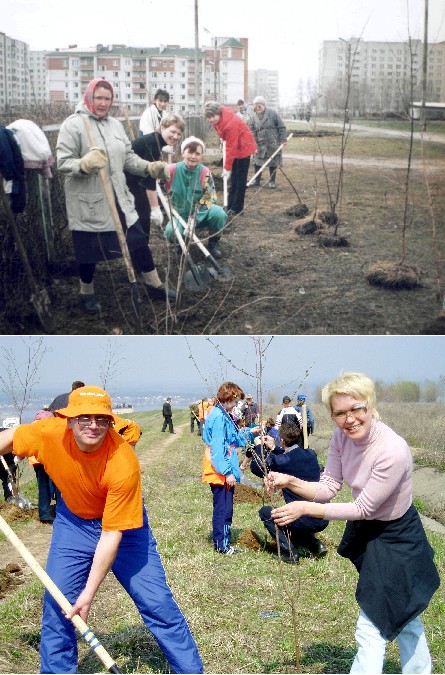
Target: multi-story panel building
point(377, 77)
point(37, 77)
point(264, 82)
point(136, 73)
point(14, 88)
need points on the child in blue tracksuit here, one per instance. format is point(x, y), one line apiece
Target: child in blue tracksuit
point(220, 463)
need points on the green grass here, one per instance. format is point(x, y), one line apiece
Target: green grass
point(222, 597)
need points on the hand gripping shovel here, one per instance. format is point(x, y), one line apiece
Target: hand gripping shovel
point(197, 277)
point(58, 596)
point(17, 498)
point(135, 297)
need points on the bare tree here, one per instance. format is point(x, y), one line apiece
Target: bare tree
point(19, 377)
point(112, 359)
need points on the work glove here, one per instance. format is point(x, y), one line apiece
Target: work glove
point(156, 217)
point(226, 174)
point(158, 170)
point(96, 158)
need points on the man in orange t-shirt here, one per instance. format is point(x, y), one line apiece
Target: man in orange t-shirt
point(101, 524)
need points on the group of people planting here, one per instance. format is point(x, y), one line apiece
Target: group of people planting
point(112, 184)
point(101, 522)
point(384, 537)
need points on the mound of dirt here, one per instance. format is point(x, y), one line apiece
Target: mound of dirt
point(12, 513)
point(245, 494)
point(250, 539)
point(10, 577)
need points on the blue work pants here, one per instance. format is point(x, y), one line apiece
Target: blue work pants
point(222, 515)
point(138, 567)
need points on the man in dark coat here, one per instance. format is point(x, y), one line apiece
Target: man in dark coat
point(167, 415)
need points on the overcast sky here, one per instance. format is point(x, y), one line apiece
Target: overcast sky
point(284, 35)
point(150, 362)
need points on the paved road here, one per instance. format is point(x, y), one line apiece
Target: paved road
point(384, 133)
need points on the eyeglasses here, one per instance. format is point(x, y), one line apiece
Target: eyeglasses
point(87, 420)
point(356, 411)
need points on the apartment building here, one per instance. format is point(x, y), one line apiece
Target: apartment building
point(137, 72)
point(264, 82)
point(377, 77)
point(37, 77)
point(14, 86)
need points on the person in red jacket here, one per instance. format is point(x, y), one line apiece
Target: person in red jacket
point(240, 145)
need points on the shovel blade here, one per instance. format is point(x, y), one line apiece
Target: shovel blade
point(223, 273)
point(198, 279)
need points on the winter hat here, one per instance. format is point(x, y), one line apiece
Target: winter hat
point(212, 108)
point(301, 397)
point(192, 139)
point(259, 99)
point(87, 401)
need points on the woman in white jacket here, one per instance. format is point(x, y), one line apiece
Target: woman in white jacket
point(89, 218)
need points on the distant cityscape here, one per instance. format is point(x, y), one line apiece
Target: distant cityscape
point(139, 402)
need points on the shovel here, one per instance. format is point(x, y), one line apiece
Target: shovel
point(197, 277)
point(135, 297)
point(17, 498)
point(39, 296)
point(58, 596)
point(252, 180)
point(219, 272)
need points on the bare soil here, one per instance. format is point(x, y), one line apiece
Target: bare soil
point(283, 281)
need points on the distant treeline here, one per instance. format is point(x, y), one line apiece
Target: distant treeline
point(406, 391)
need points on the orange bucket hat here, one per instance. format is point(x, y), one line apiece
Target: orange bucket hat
point(87, 401)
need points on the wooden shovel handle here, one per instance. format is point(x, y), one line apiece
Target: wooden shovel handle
point(58, 596)
point(112, 206)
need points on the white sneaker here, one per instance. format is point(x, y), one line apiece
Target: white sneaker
point(230, 551)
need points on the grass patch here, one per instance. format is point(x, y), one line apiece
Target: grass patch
point(223, 598)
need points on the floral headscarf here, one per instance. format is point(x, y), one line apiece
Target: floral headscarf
point(89, 91)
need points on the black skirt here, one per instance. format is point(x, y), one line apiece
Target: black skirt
point(92, 247)
point(397, 574)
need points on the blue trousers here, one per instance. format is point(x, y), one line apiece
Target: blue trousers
point(222, 516)
point(138, 567)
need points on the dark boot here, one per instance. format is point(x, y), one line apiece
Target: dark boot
point(313, 545)
point(214, 249)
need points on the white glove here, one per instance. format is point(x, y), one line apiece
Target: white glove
point(226, 174)
point(168, 149)
point(156, 217)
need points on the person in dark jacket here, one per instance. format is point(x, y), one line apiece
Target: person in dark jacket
point(151, 146)
point(167, 415)
point(240, 145)
point(269, 132)
point(293, 461)
point(61, 401)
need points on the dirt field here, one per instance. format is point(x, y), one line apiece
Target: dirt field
point(284, 282)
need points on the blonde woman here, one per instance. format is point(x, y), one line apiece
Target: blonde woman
point(384, 537)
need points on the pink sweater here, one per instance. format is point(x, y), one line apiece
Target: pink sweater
point(379, 471)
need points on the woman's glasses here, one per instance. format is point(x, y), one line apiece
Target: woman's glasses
point(356, 411)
